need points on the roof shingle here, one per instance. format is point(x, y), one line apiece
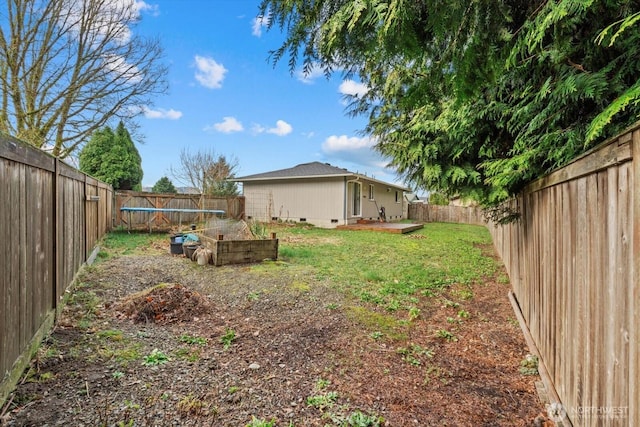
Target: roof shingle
point(310, 170)
point(299, 171)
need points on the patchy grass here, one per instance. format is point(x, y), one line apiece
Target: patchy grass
point(380, 324)
point(193, 340)
point(392, 270)
point(156, 357)
point(228, 338)
point(118, 243)
point(389, 270)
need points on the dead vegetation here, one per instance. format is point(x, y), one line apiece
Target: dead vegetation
point(162, 304)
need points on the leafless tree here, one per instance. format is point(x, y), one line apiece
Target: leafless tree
point(207, 172)
point(69, 66)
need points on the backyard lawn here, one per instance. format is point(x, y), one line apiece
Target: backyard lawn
point(346, 328)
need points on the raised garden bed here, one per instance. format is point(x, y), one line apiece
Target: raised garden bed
point(241, 251)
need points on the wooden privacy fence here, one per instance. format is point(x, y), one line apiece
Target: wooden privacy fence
point(232, 206)
point(425, 212)
point(51, 217)
point(574, 261)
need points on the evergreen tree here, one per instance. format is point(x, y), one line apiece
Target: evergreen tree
point(438, 199)
point(164, 185)
point(475, 98)
point(223, 188)
point(113, 158)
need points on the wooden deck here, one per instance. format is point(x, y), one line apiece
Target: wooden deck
point(386, 227)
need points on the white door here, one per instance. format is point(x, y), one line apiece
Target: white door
point(356, 198)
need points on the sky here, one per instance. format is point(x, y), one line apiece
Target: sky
point(226, 95)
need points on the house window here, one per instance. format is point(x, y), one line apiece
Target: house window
point(371, 195)
point(397, 197)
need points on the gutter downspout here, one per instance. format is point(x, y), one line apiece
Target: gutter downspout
point(344, 205)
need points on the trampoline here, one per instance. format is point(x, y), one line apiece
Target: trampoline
point(168, 210)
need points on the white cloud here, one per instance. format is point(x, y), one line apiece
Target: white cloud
point(282, 128)
point(209, 73)
point(161, 113)
point(346, 143)
point(313, 74)
point(114, 19)
point(228, 125)
point(258, 24)
point(118, 65)
point(352, 149)
point(142, 6)
point(353, 88)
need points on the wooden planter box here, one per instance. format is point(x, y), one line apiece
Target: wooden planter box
point(241, 251)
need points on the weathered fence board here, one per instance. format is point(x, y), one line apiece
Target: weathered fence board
point(241, 251)
point(433, 213)
point(633, 292)
point(47, 229)
point(232, 206)
point(573, 261)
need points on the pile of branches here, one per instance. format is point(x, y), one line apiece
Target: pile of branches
point(164, 303)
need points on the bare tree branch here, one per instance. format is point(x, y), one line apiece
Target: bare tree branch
point(68, 67)
point(207, 172)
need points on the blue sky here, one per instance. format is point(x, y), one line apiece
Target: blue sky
point(225, 95)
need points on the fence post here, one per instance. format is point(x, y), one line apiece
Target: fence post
point(86, 219)
point(55, 236)
point(201, 205)
point(634, 290)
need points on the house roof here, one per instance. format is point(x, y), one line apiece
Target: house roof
point(305, 170)
point(308, 170)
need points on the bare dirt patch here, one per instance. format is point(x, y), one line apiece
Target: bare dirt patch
point(223, 346)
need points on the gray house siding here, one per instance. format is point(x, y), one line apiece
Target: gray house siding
point(320, 194)
point(318, 202)
point(384, 196)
